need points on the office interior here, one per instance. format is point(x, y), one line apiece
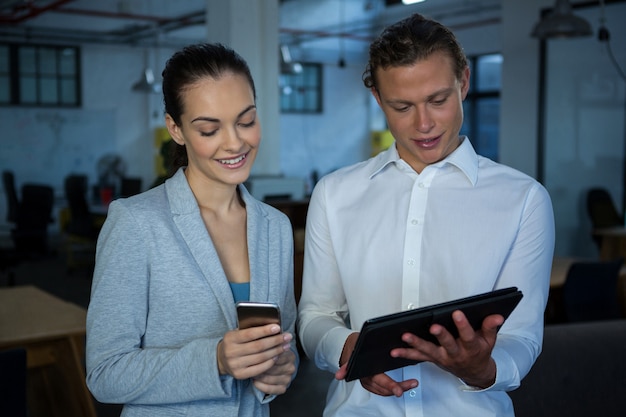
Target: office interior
point(562, 115)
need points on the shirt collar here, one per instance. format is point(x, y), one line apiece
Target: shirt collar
point(464, 158)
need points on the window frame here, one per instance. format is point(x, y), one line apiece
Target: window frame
point(475, 96)
point(50, 84)
point(300, 87)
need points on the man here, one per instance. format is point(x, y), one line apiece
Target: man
point(424, 222)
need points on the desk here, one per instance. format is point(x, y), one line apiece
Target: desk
point(53, 333)
point(613, 242)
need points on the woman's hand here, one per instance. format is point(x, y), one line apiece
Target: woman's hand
point(251, 352)
point(276, 379)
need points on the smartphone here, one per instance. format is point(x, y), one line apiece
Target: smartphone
point(251, 314)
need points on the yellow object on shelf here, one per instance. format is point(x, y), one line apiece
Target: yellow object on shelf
point(161, 136)
point(381, 140)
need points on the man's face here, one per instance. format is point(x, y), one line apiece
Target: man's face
point(423, 107)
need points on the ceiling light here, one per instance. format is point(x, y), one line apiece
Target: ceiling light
point(288, 65)
point(146, 83)
point(561, 23)
point(411, 1)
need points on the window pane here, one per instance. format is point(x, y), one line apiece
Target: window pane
point(488, 112)
point(49, 91)
point(68, 92)
point(301, 92)
point(489, 72)
point(27, 60)
point(5, 97)
point(47, 61)
point(28, 90)
point(4, 59)
point(67, 61)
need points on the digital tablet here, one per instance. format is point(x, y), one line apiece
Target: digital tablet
point(382, 334)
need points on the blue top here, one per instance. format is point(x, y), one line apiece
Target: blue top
point(241, 291)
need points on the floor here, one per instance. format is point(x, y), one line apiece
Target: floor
point(304, 398)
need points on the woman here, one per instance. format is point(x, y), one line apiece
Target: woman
point(162, 335)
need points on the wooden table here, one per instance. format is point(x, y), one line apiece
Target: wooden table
point(613, 242)
point(53, 333)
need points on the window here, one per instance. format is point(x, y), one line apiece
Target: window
point(302, 92)
point(39, 75)
point(482, 104)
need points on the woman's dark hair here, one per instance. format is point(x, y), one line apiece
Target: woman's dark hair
point(408, 41)
point(188, 66)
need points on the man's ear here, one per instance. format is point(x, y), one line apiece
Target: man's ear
point(465, 83)
point(174, 130)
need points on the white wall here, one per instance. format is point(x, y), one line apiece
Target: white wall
point(337, 137)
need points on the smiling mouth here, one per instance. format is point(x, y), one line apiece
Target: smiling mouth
point(426, 143)
point(233, 161)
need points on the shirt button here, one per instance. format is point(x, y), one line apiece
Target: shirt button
point(420, 185)
point(415, 222)
point(410, 306)
point(412, 393)
point(410, 262)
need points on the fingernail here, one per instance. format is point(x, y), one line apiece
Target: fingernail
point(275, 329)
point(286, 346)
point(287, 337)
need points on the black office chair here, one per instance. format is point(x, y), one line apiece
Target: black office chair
point(602, 211)
point(80, 227)
point(81, 222)
point(590, 291)
point(34, 214)
point(13, 383)
point(8, 180)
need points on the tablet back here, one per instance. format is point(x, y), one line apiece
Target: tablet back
point(382, 334)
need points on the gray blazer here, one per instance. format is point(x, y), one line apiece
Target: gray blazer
point(160, 303)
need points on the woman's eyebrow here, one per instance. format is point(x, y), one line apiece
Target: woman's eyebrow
point(214, 120)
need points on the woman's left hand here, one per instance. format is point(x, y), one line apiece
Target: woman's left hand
point(276, 379)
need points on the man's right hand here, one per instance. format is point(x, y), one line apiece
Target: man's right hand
point(380, 384)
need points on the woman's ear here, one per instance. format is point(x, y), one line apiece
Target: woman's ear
point(174, 130)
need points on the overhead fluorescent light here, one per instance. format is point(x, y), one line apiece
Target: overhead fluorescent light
point(411, 1)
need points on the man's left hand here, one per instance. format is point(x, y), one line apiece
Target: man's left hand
point(468, 357)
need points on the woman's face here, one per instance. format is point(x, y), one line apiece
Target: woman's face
point(219, 128)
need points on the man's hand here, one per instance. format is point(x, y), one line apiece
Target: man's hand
point(380, 384)
point(468, 357)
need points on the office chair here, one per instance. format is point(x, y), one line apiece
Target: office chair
point(34, 214)
point(590, 291)
point(78, 224)
point(13, 383)
point(8, 179)
point(602, 211)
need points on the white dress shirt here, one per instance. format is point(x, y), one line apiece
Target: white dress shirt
point(381, 238)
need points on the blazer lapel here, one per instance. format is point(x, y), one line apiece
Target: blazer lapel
point(258, 247)
point(186, 216)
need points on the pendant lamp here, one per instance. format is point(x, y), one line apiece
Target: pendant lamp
point(561, 23)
